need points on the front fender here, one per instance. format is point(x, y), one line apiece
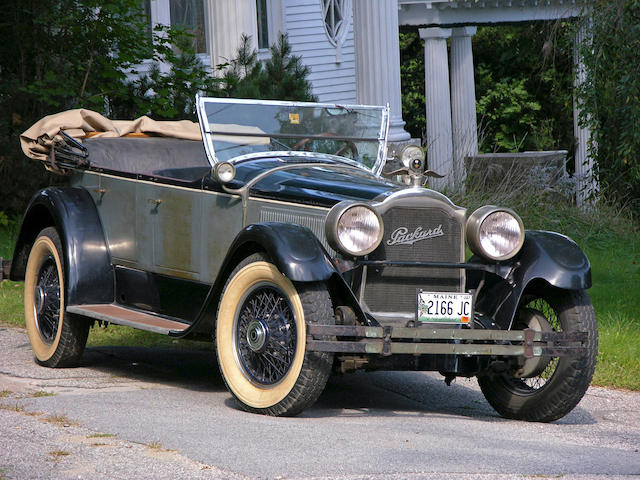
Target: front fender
point(547, 256)
point(88, 270)
point(294, 249)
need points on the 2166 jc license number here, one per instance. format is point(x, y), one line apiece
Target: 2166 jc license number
point(439, 307)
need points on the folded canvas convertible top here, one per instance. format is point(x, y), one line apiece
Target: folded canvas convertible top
point(80, 123)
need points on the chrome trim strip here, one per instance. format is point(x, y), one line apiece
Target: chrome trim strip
point(281, 202)
point(159, 184)
point(206, 139)
point(296, 153)
point(286, 103)
point(381, 158)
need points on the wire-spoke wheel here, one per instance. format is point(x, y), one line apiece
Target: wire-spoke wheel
point(261, 339)
point(547, 388)
point(57, 338)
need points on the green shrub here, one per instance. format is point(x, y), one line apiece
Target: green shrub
point(523, 78)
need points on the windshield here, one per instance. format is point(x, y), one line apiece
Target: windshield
point(233, 128)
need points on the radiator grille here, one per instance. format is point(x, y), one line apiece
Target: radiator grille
point(393, 289)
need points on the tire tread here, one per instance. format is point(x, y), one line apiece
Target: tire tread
point(571, 379)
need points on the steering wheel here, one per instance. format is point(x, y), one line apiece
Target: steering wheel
point(348, 144)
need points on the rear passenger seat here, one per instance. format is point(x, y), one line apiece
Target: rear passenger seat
point(155, 156)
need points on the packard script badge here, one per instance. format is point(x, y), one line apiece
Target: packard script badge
point(401, 235)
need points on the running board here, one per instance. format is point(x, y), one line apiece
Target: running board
point(120, 315)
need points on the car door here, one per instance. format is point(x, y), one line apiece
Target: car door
point(169, 229)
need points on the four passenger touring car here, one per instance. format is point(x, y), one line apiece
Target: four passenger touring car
point(277, 231)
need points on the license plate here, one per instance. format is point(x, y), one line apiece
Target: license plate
point(439, 307)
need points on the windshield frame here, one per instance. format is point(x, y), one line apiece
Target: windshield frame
point(207, 134)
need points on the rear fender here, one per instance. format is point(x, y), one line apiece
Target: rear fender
point(88, 269)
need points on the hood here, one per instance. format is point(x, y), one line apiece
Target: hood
point(322, 185)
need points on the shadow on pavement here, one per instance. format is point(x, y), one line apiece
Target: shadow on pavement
point(190, 369)
point(362, 394)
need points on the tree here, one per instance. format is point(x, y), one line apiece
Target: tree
point(85, 54)
point(283, 76)
point(610, 96)
point(55, 56)
point(523, 79)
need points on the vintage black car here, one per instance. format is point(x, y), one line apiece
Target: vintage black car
point(278, 231)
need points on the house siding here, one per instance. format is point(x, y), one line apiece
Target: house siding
point(331, 81)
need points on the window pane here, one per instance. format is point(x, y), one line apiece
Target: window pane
point(190, 15)
point(145, 5)
point(263, 24)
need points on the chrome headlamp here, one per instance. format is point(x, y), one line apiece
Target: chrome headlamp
point(354, 229)
point(495, 233)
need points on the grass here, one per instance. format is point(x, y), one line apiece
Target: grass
point(59, 419)
point(101, 435)
point(12, 408)
point(11, 303)
point(8, 235)
point(608, 236)
point(42, 393)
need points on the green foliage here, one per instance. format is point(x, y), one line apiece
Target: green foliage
point(56, 56)
point(523, 79)
point(166, 94)
point(610, 97)
point(508, 110)
point(87, 54)
point(523, 76)
point(412, 81)
point(283, 76)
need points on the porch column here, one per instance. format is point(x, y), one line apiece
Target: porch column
point(377, 48)
point(587, 183)
point(227, 20)
point(438, 106)
point(463, 100)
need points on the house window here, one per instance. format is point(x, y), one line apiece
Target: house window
point(337, 18)
point(189, 14)
point(333, 12)
point(145, 6)
point(263, 24)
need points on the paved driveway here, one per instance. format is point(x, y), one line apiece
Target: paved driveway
point(159, 413)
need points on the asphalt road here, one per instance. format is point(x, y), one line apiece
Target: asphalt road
point(139, 413)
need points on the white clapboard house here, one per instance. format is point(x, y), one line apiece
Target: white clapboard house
point(351, 48)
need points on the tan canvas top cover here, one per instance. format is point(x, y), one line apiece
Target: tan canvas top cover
point(37, 141)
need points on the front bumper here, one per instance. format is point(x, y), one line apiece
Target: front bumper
point(387, 341)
